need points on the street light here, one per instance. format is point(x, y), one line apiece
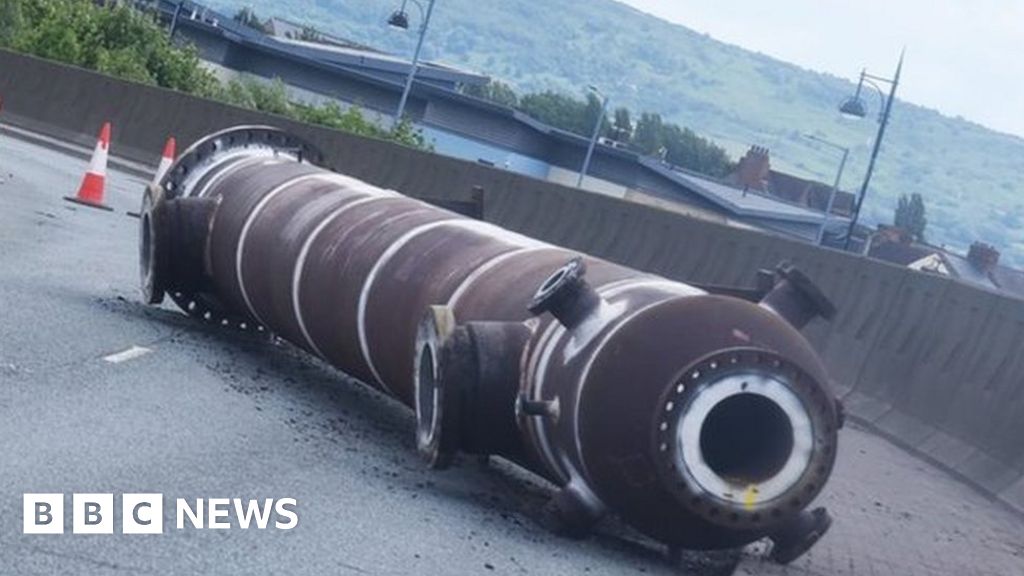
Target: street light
point(593, 137)
point(399, 20)
point(174, 20)
point(854, 107)
point(835, 185)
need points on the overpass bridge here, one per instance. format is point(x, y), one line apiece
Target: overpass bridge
point(924, 363)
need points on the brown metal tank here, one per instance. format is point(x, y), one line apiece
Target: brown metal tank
point(701, 419)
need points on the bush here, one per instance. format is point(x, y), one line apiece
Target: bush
point(651, 136)
point(116, 40)
point(273, 98)
point(124, 42)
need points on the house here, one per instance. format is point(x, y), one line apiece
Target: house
point(979, 267)
point(754, 172)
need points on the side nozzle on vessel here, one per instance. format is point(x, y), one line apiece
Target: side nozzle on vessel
point(797, 298)
point(567, 295)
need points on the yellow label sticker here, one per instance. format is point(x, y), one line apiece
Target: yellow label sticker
point(750, 496)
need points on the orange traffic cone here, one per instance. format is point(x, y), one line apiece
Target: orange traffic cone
point(165, 160)
point(90, 193)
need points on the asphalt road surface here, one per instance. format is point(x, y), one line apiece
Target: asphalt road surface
point(212, 412)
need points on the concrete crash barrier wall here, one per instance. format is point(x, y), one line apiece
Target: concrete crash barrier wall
point(932, 363)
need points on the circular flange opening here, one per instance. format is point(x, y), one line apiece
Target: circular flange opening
point(145, 245)
point(555, 285)
point(746, 439)
point(552, 281)
point(151, 273)
point(427, 396)
point(436, 404)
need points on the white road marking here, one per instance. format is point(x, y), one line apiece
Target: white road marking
point(125, 355)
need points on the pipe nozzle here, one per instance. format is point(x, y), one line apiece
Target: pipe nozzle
point(566, 294)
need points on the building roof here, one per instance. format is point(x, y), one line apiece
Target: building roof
point(754, 172)
point(809, 192)
point(1009, 279)
point(284, 28)
point(746, 202)
point(933, 263)
point(353, 61)
point(358, 56)
point(901, 253)
point(891, 245)
point(337, 51)
point(962, 268)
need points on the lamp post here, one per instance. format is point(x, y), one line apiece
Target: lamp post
point(854, 107)
point(174, 20)
point(835, 185)
point(593, 137)
point(399, 19)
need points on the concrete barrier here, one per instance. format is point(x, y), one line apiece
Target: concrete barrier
point(930, 362)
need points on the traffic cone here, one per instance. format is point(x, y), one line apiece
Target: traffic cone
point(90, 193)
point(165, 160)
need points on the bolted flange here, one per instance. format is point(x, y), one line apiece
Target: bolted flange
point(152, 251)
point(437, 399)
point(797, 298)
point(566, 295)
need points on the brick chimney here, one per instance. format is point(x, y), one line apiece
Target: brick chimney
point(984, 257)
point(753, 169)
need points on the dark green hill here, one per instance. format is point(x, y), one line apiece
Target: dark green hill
point(967, 174)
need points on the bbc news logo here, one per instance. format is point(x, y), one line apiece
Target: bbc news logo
point(144, 513)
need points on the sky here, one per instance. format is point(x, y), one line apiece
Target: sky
point(963, 57)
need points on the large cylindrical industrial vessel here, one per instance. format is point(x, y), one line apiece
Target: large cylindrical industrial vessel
point(700, 417)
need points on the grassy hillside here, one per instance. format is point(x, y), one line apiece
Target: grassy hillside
point(966, 173)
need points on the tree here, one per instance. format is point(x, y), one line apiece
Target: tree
point(565, 112)
point(558, 110)
point(495, 91)
point(120, 41)
point(10, 20)
point(647, 138)
point(651, 136)
point(308, 34)
point(910, 215)
point(622, 126)
point(247, 16)
point(680, 146)
point(116, 39)
point(685, 148)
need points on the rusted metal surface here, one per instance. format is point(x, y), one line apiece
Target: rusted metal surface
point(703, 420)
